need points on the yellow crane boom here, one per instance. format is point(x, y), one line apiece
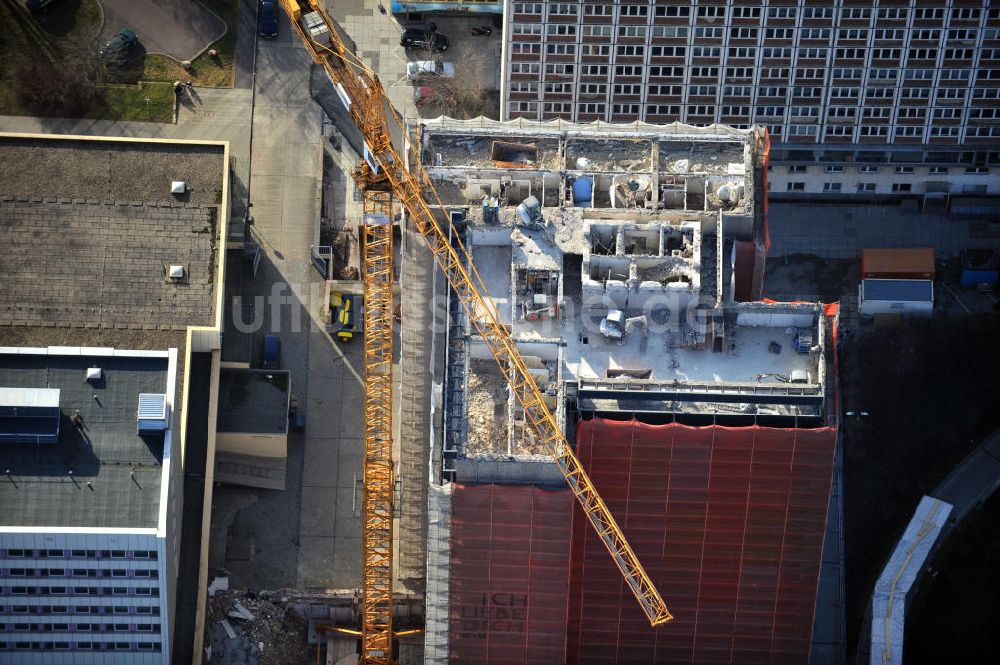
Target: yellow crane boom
point(362, 94)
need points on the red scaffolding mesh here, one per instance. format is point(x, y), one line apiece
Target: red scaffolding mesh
point(509, 575)
point(728, 522)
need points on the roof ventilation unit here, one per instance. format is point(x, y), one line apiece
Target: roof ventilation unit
point(178, 187)
point(175, 272)
point(152, 416)
point(94, 375)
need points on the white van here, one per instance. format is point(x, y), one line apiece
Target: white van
point(429, 68)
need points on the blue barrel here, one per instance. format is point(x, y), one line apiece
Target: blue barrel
point(583, 192)
point(272, 350)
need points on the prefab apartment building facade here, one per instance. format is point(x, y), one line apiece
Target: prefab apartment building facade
point(877, 99)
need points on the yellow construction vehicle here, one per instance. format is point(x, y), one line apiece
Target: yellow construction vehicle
point(347, 314)
point(391, 166)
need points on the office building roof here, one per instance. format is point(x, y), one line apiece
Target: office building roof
point(101, 474)
point(90, 230)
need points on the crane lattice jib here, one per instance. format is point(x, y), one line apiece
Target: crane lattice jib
point(378, 486)
point(363, 95)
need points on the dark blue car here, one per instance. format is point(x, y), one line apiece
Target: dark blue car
point(267, 19)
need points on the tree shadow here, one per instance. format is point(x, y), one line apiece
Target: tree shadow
point(60, 19)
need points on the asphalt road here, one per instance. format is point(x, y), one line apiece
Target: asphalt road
point(178, 28)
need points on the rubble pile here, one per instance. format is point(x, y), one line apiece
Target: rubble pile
point(253, 629)
point(487, 412)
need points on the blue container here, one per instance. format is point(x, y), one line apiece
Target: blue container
point(583, 192)
point(972, 278)
point(272, 350)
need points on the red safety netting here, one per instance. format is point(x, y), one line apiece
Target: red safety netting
point(729, 523)
point(509, 575)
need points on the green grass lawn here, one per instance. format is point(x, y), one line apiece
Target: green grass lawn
point(205, 70)
point(128, 102)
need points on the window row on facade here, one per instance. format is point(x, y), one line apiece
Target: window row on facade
point(77, 554)
point(897, 170)
point(677, 74)
point(886, 188)
point(149, 610)
point(957, 38)
point(151, 573)
point(818, 55)
point(18, 590)
point(24, 645)
point(98, 627)
point(778, 13)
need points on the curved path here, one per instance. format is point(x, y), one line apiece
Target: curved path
point(974, 480)
point(180, 29)
point(968, 485)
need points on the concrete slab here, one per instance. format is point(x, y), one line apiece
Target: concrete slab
point(493, 264)
point(327, 365)
point(323, 469)
point(841, 231)
point(316, 563)
point(347, 561)
point(317, 516)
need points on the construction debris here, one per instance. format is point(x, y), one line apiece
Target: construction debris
point(487, 411)
point(228, 627)
point(240, 612)
point(218, 584)
point(245, 628)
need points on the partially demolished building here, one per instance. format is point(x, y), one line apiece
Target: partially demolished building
point(627, 262)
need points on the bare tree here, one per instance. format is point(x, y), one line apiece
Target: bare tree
point(468, 94)
point(68, 85)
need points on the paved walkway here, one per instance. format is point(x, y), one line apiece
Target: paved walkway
point(842, 231)
point(974, 480)
point(246, 44)
point(178, 28)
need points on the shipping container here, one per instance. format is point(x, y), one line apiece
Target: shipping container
point(908, 263)
point(896, 296)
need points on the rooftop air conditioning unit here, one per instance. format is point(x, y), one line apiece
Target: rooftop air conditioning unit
point(176, 272)
point(178, 187)
point(94, 374)
point(800, 376)
point(152, 414)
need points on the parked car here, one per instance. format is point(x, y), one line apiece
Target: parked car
point(414, 38)
point(429, 68)
point(118, 46)
point(267, 19)
point(424, 95)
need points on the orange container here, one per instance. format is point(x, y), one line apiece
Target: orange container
point(908, 263)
